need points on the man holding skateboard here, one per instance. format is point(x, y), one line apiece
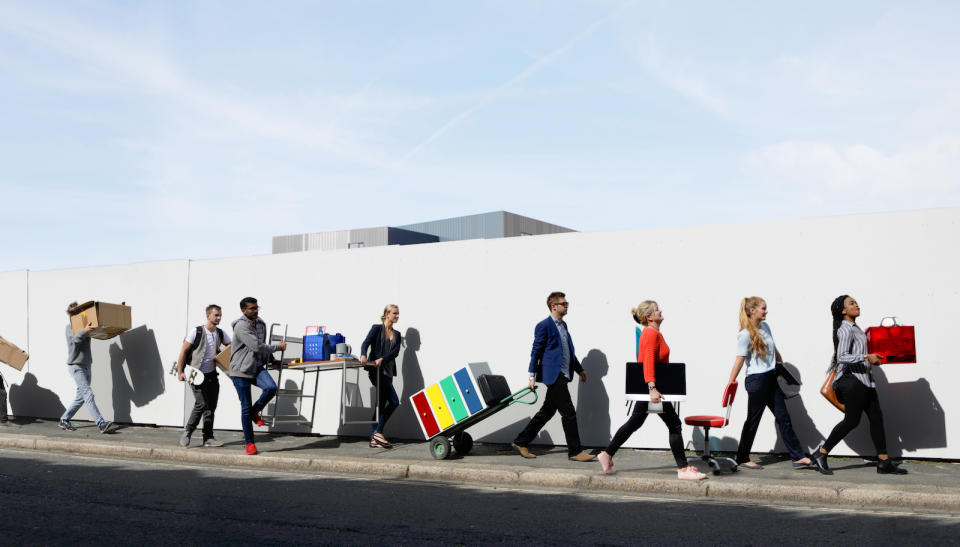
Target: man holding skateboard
point(200, 348)
point(553, 362)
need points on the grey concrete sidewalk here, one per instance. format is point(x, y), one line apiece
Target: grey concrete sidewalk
point(929, 486)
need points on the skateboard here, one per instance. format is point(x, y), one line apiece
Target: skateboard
point(192, 374)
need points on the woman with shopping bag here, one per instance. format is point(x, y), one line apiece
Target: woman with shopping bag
point(854, 387)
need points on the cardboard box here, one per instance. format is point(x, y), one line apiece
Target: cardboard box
point(109, 319)
point(12, 355)
point(223, 359)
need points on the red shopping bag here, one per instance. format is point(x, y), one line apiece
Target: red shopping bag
point(894, 343)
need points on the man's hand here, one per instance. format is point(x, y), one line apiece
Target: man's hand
point(533, 383)
point(378, 362)
point(283, 346)
point(655, 396)
point(583, 376)
point(873, 358)
point(181, 377)
point(89, 328)
point(363, 359)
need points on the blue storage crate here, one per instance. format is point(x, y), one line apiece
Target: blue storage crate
point(313, 348)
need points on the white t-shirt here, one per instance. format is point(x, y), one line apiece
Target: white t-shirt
point(210, 348)
point(756, 363)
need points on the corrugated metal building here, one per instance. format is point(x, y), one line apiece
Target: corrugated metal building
point(483, 226)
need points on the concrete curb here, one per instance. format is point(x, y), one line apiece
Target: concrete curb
point(838, 493)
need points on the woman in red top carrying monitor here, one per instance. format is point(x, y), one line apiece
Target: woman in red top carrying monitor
point(653, 349)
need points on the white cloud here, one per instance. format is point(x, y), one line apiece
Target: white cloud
point(929, 169)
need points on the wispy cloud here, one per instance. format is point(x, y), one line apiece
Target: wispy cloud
point(156, 73)
point(497, 92)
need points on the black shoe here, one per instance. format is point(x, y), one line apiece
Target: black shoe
point(820, 461)
point(887, 467)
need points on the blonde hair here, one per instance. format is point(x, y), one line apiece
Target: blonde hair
point(387, 308)
point(756, 341)
point(643, 310)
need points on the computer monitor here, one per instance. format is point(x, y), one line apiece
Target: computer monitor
point(671, 382)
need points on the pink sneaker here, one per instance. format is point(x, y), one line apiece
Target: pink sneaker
point(690, 473)
point(606, 463)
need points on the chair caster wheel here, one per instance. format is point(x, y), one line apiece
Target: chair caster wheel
point(734, 469)
point(716, 472)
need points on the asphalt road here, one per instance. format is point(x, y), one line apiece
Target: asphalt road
point(64, 499)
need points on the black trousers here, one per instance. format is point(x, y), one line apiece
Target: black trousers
point(764, 392)
point(639, 415)
point(556, 400)
point(205, 397)
point(859, 399)
point(388, 402)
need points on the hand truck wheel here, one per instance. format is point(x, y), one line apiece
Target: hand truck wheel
point(462, 443)
point(440, 448)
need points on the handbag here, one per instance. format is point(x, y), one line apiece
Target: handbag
point(829, 393)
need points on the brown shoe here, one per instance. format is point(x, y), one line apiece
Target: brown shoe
point(523, 451)
point(583, 457)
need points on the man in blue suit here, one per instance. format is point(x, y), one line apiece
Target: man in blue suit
point(553, 362)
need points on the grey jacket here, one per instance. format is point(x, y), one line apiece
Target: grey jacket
point(249, 352)
point(78, 348)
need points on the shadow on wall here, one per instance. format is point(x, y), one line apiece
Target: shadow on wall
point(593, 401)
point(287, 406)
point(141, 381)
point(809, 434)
point(28, 399)
point(912, 417)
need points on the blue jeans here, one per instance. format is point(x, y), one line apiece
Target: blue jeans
point(268, 387)
point(764, 392)
point(81, 375)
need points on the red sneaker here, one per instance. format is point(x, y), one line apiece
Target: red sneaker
point(252, 450)
point(255, 417)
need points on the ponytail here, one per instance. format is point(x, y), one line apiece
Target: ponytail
point(836, 311)
point(756, 341)
point(642, 310)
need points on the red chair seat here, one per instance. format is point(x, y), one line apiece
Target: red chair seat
point(705, 421)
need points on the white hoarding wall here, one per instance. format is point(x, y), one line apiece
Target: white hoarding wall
point(129, 373)
point(478, 301)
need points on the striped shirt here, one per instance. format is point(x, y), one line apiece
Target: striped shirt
point(851, 348)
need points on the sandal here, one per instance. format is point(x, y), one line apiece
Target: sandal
point(374, 443)
point(383, 441)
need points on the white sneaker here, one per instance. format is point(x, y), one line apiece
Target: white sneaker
point(211, 442)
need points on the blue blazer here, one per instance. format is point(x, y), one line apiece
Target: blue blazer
point(546, 358)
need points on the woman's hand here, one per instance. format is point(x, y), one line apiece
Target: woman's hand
point(363, 359)
point(378, 362)
point(873, 358)
point(655, 396)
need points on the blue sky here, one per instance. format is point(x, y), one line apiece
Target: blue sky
point(134, 131)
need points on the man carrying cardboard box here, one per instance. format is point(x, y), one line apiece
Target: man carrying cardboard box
point(201, 345)
point(79, 360)
point(248, 359)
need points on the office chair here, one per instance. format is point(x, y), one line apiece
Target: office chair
point(706, 422)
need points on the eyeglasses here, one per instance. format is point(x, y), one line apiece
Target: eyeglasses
point(564, 304)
